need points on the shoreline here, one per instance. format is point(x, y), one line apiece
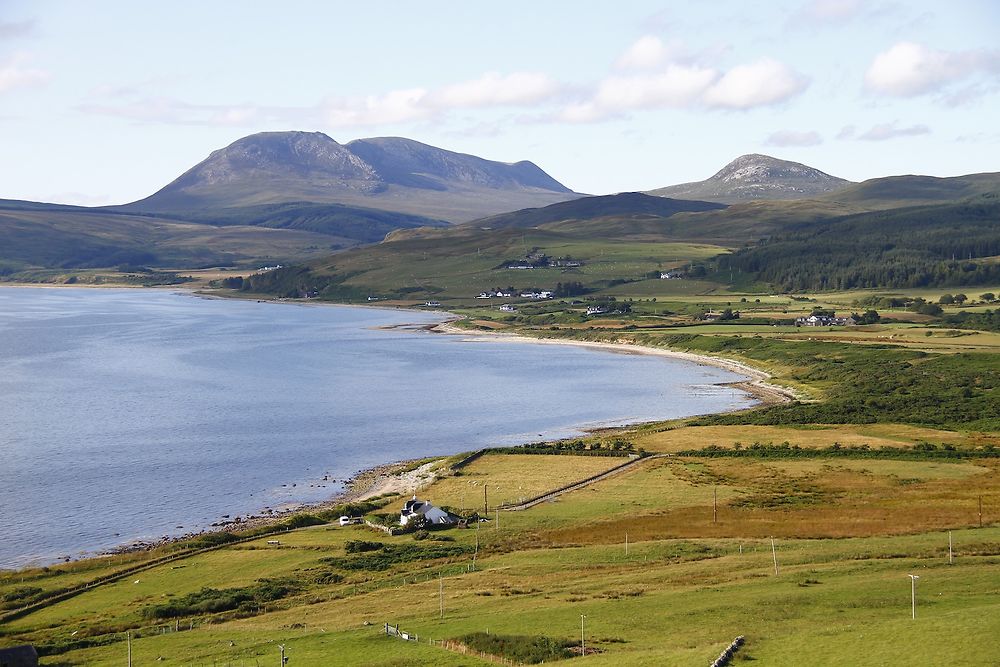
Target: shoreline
point(402, 477)
point(757, 385)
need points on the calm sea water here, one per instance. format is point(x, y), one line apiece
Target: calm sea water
point(133, 414)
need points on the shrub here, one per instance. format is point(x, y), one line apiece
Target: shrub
point(521, 648)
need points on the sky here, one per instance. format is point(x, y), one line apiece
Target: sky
point(107, 101)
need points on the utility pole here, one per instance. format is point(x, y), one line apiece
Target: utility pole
point(441, 593)
point(626, 544)
point(486, 503)
point(583, 637)
point(951, 554)
point(498, 518)
point(913, 595)
point(128, 642)
point(980, 511)
point(476, 553)
point(281, 647)
point(715, 504)
point(774, 555)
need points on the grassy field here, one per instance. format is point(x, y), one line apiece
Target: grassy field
point(683, 590)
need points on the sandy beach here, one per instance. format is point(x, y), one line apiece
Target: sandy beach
point(757, 385)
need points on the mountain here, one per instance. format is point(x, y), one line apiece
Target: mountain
point(757, 177)
point(894, 191)
point(626, 205)
point(388, 173)
point(39, 235)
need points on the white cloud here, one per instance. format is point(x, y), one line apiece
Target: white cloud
point(688, 86)
point(645, 53)
point(397, 106)
point(885, 131)
point(761, 83)
point(676, 86)
point(494, 89)
point(786, 138)
point(14, 73)
point(908, 69)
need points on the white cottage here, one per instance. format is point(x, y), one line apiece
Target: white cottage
point(414, 510)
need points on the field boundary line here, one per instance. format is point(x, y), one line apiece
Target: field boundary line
point(573, 486)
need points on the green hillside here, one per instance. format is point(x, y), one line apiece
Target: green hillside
point(866, 240)
point(36, 235)
point(921, 246)
point(627, 205)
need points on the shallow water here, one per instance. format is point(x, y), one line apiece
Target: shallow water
point(133, 414)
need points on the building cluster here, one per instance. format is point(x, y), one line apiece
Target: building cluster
point(537, 295)
point(824, 321)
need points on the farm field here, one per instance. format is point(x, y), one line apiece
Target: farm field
point(687, 585)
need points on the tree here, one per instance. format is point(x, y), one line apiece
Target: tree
point(960, 298)
point(869, 317)
point(946, 299)
point(988, 297)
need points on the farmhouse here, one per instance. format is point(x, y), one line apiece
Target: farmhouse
point(507, 308)
point(824, 321)
point(421, 510)
point(671, 275)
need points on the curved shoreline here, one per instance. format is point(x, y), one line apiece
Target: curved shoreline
point(758, 385)
point(401, 476)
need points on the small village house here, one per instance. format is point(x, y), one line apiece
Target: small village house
point(420, 511)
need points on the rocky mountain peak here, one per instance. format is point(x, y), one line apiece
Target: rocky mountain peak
point(756, 176)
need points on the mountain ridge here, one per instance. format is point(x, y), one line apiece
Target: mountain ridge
point(389, 173)
point(755, 177)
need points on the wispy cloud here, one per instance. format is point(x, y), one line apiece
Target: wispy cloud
point(649, 75)
point(491, 90)
point(826, 12)
point(17, 29)
point(909, 69)
point(886, 131)
point(17, 72)
point(789, 138)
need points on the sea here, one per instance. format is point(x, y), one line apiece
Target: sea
point(134, 414)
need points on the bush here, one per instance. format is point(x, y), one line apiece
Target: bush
point(361, 546)
point(212, 600)
point(521, 648)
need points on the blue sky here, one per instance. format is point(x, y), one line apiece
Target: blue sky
point(106, 102)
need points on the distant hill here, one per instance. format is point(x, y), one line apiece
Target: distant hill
point(39, 235)
point(391, 173)
point(757, 177)
point(952, 243)
point(631, 205)
point(893, 191)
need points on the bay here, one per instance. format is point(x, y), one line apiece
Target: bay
point(131, 414)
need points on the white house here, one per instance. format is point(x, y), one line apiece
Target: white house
point(508, 308)
point(415, 510)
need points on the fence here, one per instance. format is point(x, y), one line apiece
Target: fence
point(394, 631)
point(458, 647)
point(453, 646)
point(728, 654)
